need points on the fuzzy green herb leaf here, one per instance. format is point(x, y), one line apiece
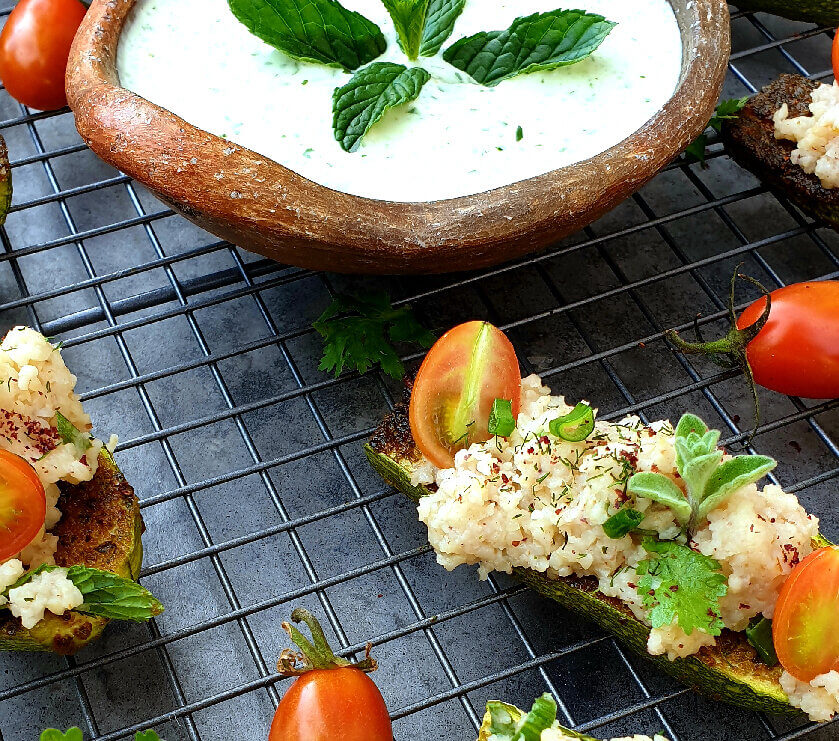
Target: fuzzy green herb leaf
point(508, 723)
point(575, 426)
point(537, 42)
point(679, 584)
point(357, 333)
point(146, 736)
point(622, 523)
point(369, 95)
point(321, 31)
point(409, 20)
point(501, 419)
point(727, 110)
point(439, 24)
point(708, 481)
point(70, 433)
point(53, 734)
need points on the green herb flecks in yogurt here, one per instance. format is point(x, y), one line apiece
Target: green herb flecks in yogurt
point(454, 141)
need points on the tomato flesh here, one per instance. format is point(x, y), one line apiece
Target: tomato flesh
point(465, 371)
point(34, 47)
point(805, 628)
point(23, 504)
point(835, 54)
point(797, 351)
point(330, 704)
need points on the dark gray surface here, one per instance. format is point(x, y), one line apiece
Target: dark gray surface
point(248, 460)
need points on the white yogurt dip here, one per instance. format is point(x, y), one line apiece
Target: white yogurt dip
point(458, 138)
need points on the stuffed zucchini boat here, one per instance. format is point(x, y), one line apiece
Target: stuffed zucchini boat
point(70, 524)
point(652, 532)
point(505, 722)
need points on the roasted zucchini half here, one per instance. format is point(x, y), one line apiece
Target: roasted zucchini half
point(750, 140)
point(100, 527)
point(730, 671)
point(823, 12)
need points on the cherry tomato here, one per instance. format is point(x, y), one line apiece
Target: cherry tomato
point(805, 628)
point(34, 47)
point(835, 54)
point(330, 704)
point(23, 505)
point(467, 369)
point(797, 352)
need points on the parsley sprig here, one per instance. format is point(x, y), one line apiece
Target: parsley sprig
point(358, 332)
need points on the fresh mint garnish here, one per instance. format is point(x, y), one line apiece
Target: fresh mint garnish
point(708, 481)
point(369, 95)
point(357, 333)
point(501, 419)
point(727, 110)
point(321, 31)
point(509, 724)
point(680, 584)
point(439, 24)
point(622, 523)
point(408, 18)
point(537, 42)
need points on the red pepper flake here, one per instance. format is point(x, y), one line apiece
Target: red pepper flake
point(517, 543)
point(545, 440)
point(505, 478)
point(791, 555)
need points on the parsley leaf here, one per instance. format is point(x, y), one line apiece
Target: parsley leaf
point(541, 41)
point(439, 24)
point(313, 30)
point(371, 92)
point(681, 584)
point(363, 337)
point(727, 110)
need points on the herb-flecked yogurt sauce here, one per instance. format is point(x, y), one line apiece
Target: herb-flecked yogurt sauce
point(458, 138)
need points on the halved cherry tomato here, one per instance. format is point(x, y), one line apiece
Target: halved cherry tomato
point(797, 351)
point(805, 628)
point(34, 47)
point(467, 369)
point(23, 505)
point(330, 704)
point(835, 54)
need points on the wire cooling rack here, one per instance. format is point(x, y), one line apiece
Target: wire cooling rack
point(248, 460)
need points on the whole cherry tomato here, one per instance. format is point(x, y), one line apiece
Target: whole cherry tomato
point(336, 700)
point(465, 371)
point(34, 47)
point(835, 54)
point(805, 627)
point(22, 504)
point(797, 351)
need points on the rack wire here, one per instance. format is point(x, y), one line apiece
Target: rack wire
point(248, 463)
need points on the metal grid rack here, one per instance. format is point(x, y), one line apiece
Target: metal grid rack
point(248, 460)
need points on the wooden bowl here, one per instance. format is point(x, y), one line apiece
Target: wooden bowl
point(284, 216)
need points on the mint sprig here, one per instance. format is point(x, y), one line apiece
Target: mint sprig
point(439, 24)
point(538, 42)
point(708, 481)
point(370, 93)
point(408, 18)
point(321, 31)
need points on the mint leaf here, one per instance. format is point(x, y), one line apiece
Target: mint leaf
point(622, 523)
point(727, 110)
point(53, 734)
point(369, 95)
point(363, 337)
point(681, 585)
point(541, 41)
point(321, 31)
point(409, 20)
point(111, 596)
point(659, 488)
point(70, 433)
point(741, 470)
point(439, 24)
point(501, 419)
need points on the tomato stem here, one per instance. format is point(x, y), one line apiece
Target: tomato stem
point(730, 351)
point(317, 653)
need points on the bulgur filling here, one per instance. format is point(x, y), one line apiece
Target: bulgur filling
point(816, 136)
point(534, 500)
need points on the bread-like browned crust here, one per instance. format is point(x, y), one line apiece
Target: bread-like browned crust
point(750, 139)
point(262, 206)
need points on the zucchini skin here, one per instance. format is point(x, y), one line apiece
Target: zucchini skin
point(823, 12)
point(729, 671)
point(101, 527)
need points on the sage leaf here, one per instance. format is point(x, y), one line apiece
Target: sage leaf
point(741, 470)
point(439, 24)
point(542, 41)
point(369, 95)
point(690, 423)
point(53, 734)
point(659, 488)
point(409, 17)
point(321, 31)
point(696, 473)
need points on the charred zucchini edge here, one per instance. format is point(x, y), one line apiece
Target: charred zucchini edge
point(101, 527)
